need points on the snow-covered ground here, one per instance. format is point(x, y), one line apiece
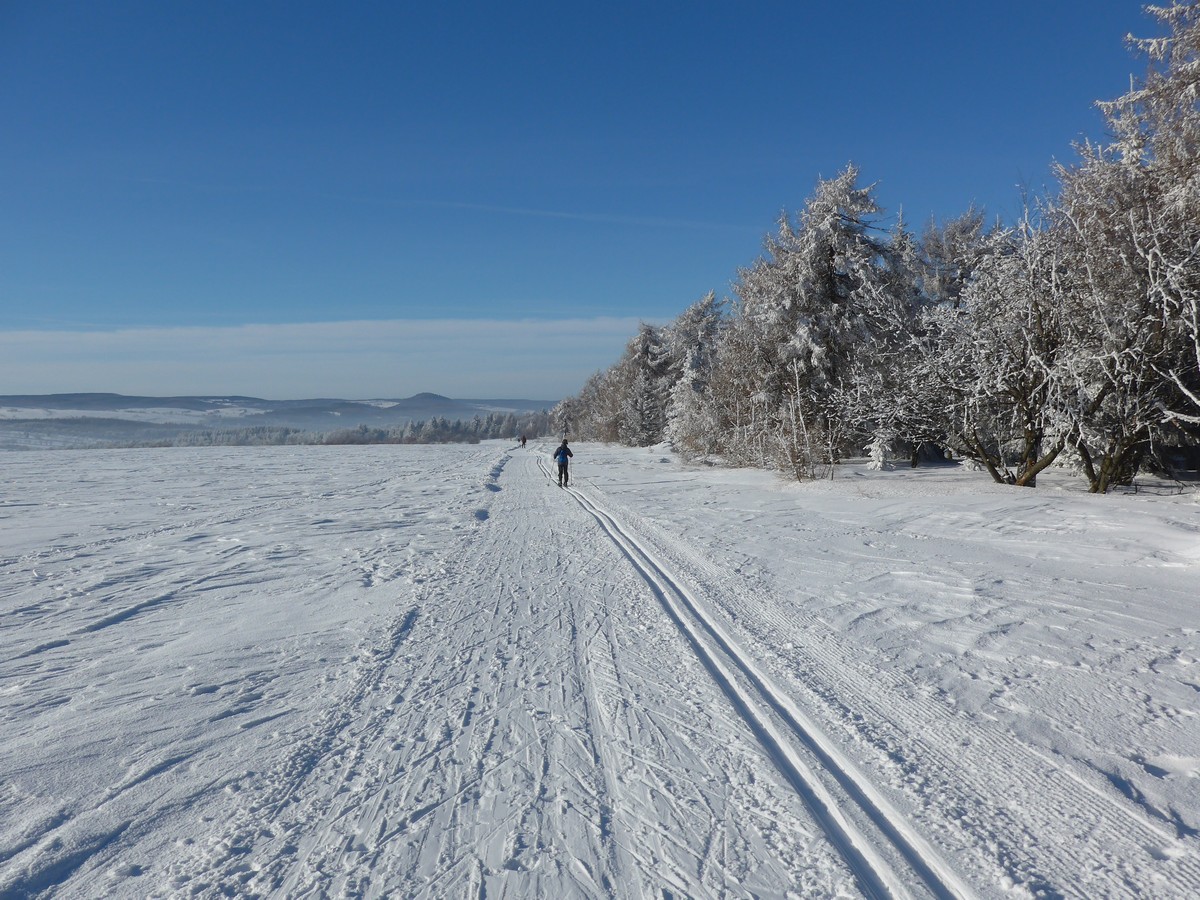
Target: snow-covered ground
point(415, 671)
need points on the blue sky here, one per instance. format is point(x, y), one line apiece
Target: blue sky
point(514, 184)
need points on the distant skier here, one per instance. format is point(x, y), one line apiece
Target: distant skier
point(561, 455)
point(522, 442)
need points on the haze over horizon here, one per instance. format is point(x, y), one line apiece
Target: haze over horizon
point(296, 200)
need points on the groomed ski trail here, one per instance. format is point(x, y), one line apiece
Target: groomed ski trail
point(974, 788)
point(528, 724)
point(794, 742)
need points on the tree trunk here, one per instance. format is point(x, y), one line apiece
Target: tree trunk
point(1028, 477)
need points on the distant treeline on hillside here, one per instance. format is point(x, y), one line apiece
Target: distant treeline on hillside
point(436, 430)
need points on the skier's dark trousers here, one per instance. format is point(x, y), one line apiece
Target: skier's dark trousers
point(561, 455)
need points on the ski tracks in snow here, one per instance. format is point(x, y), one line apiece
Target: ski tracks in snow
point(981, 795)
point(887, 856)
point(531, 726)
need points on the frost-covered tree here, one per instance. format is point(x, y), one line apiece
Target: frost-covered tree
point(693, 418)
point(810, 307)
point(643, 378)
point(994, 357)
point(736, 403)
point(593, 413)
point(1129, 220)
point(874, 397)
point(626, 403)
point(1157, 129)
point(950, 254)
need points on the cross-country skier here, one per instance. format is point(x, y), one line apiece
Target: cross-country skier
point(561, 455)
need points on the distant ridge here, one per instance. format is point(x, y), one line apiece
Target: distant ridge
point(91, 419)
point(98, 401)
point(426, 396)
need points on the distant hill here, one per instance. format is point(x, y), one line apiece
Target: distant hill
point(97, 419)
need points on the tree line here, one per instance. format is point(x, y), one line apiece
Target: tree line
point(436, 430)
point(1071, 337)
point(439, 430)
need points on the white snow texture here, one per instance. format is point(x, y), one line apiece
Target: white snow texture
point(427, 671)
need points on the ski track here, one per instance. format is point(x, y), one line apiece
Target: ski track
point(498, 688)
point(948, 782)
point(761, 704)
point(536, 770)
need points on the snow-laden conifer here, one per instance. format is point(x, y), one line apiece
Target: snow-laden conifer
point(693, 419)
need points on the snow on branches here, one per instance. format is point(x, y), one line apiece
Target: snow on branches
point(1070, 336)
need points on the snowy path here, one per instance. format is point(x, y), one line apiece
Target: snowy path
point(760, 704)
point(529, 745)
point(430, 672)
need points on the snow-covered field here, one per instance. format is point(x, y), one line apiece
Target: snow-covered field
point(414, 671)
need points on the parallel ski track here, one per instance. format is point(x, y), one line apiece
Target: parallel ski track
point(764, 708)
point(872, 694)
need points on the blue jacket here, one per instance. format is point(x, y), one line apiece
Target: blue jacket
point(562, 453)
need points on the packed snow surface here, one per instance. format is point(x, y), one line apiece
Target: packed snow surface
point(414, 671)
